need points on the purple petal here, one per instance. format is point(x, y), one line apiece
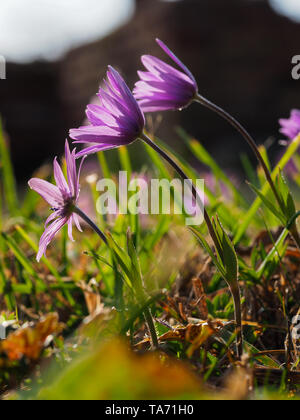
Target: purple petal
point(291, 127)
point(76, 221)
point(91, 134)
point(47, 191)
point(52, 217)
point(71, 170)
point(78, 177)
point(176, 59)
point(158, 67)
point(98, 115)
point(117, 122)
point(49, 235)
point(70, 229)
point(118, 82)
point(95, 149)
point(60, 179)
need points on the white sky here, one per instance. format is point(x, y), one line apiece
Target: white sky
point(32, 29)
point(290, 8)
point(35, 29)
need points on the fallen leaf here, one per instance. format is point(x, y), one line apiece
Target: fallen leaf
point(29, 341)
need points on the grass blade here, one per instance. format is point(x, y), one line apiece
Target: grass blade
point(251, 214)
point(8, 178)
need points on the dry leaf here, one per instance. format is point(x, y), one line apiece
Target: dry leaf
point(92, 298)
point(29, 342)
point(201, 297)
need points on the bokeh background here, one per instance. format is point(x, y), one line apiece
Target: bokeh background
point(57, 51)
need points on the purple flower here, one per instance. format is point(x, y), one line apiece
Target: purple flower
point(163, 87)
point(291, 127)
point(62, 198)
point(117, 121)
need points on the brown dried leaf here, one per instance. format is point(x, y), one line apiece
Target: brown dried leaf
point(29, 342)
point(201, 297)
point(196, 334)
point(198, 338)
point(92, 298)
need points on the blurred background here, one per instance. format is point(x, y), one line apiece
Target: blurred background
point(57, 52)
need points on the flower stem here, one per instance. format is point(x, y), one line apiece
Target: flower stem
point(182, 174)
point(205, 102)
point(147, 313)
point(294, 232)
point(235, 292)
point(91, 223)
point(238, 320)
point(215, 108)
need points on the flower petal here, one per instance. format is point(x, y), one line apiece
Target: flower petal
point(117, 122)
point(176, 59)
point(49, 235)
point(71, 170)
point(92, 134)
point(70, 229)
point(60, 179)
point(95, 149)
point(47, 191)
point(77, 223)
point(52, 217)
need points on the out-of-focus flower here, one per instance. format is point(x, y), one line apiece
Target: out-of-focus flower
point(291, 127)
point(117, 121)
point(62, 198)
point(163, 87)
point(218, 187)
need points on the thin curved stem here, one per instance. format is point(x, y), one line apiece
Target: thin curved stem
point(182, 174)
point(210, 105)
point(91, 223)
point(235, 293)
point(221, 112)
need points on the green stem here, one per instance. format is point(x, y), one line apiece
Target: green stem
point(238, 321)
point(91, 223)
point(182, 174)
point(235, 293)
point(249, 139)
point(295, 234)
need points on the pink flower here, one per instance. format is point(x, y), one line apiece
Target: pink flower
point(163, 87)
point(62, 198)
point(116, 121)
point(291, 127)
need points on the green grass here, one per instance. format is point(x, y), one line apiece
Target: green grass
point(101, 295)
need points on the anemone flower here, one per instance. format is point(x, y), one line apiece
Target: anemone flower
point(163, 87)
point(291, 127)
point(62, 198)
point(116, 121)
point(119, 121)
